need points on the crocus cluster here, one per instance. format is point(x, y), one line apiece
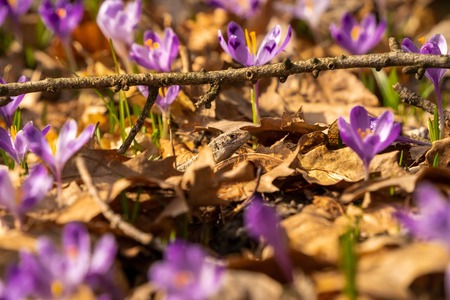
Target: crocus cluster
point(7, 111)
point(118, 22)
point(19, 201)
point(62, 16)
point(358, 38)
point(56, 155)
point(244, 9)
point(58, 273)
point(186, 272)
point(433, 221)
point(436, 45)
point(367, 136)
point(262, 222)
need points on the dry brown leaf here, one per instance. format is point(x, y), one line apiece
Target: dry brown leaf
point(201, 182)
point(83, 209)
point(439, 148)
point(387, 274)
point(106, 166)
point(276, 128)
point(313, 232)
point(357, 190)
point(283, 170)
point(248, 285)
point(330, 167)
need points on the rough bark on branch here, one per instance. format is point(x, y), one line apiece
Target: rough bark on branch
point(281, 70)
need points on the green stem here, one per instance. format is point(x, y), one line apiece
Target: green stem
point(254, 95)
point(440, 110)
point(165, 123)
point(69, 54)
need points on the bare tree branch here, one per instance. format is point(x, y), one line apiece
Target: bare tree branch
point(281, 70)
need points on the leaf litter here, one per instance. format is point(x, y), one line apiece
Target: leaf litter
point(294, 160)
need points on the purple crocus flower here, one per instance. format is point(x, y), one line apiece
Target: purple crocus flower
point(118, 22)
point(186, 272)
point(436, 45)
point(14, 9)
point(309, 11)
point(17, 284)
point(66, 146)
point(156, 54)
point(262, 221)
point(15, 144)
point(165, 97)
point(365, 140)
point(7, 111)
point(358, 38)
point(241, 45)
point(240, 8)
point(61, 17)
point(433, 222)
point(20, 201)
point(58, 272)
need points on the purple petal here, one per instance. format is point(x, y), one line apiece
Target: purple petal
point(38, 145)
point(239, 51)
point(433, 222)
point(104, 254)
point(359, 118)
point(77, 250)
point(68, 144)
point(269, 47)
point(350, 137)
point(7, 145)
point(185, 272)
point(7, 191)
point(348, 22)
point(117, 21)
point(408, 46)
point(35, 187)
point(263, 221)
point(171, 94)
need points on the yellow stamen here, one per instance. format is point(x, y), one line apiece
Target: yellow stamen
point(51, 138)
point(250, 38)
point(13, 131)
point(163, 91)
point(182, 278)
point(57, 288)
point(364, 134)
point(355, 32)
point(151, 45)
point(61, 12)
point(422, 40)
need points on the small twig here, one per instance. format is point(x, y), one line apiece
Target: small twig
point(394, 45)
point(115, 219)
point(413, 99)
point(152, 94)
point(210, 96)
